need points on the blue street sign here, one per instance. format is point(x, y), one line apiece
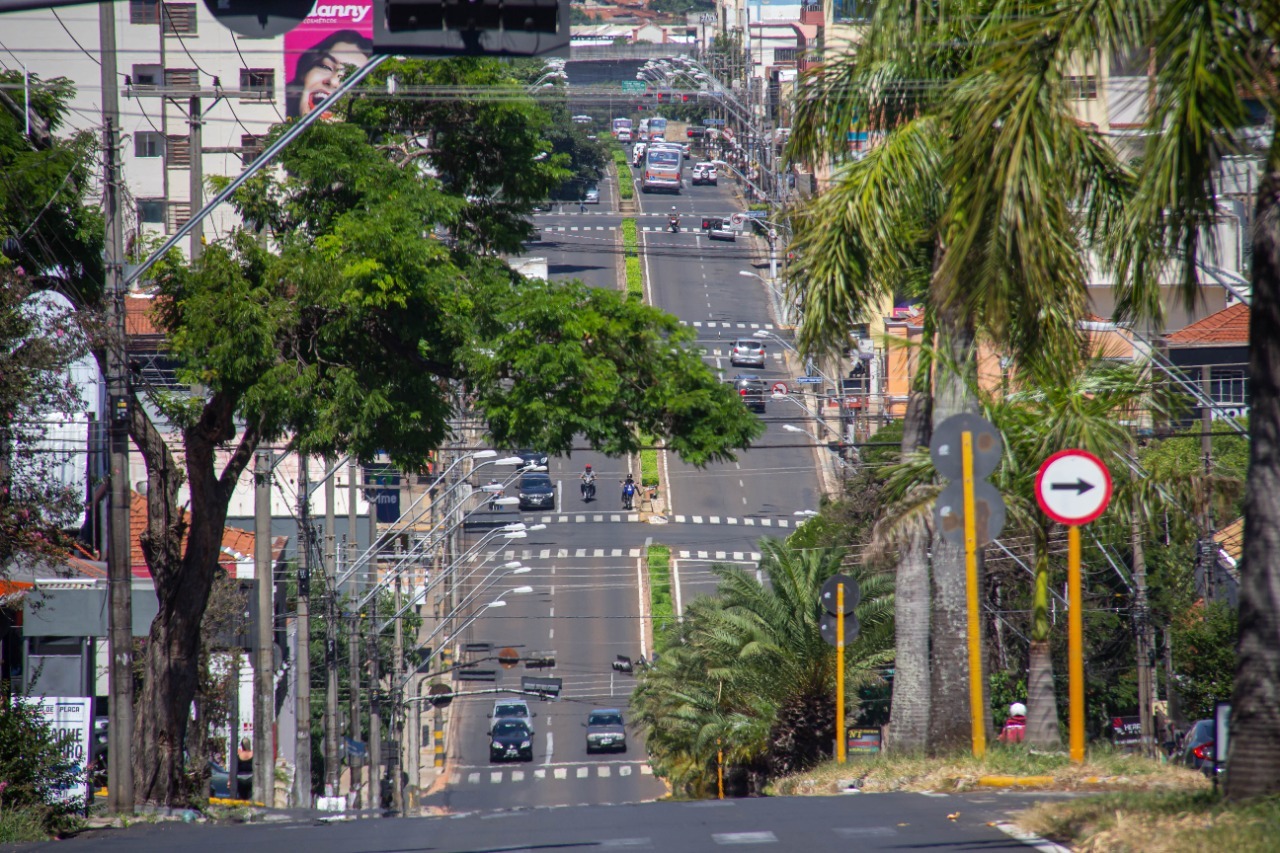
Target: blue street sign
point(809, 380)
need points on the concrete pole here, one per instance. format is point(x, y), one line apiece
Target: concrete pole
point(264, 708)
point(375, 713)
point(119, 576)
point(332, 756)
point(353, 638)
point(302, 666)
point(195, 135)
point(397, 706)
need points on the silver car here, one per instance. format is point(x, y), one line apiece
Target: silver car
point(746, 351)
point(592, 196)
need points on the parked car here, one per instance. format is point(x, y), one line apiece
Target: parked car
point(1198, 747)
point(592, 196)
point(537, 491)
point(605, 731)
point(752, 390)
point(747, 351)
point(512, 709)
point(704, 173)
point(510, 740)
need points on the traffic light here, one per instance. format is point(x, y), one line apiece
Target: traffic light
point(471, 27)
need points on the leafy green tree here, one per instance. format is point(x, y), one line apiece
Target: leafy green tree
point(33, 768)
point(748, 675)
point(1204, 656)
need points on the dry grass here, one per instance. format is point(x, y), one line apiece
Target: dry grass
point(1158, 822)
point(1104, 770)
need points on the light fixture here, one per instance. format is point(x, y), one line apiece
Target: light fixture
point(484, 454)
point(791, 428)
point(534, 527)
point(510, 460)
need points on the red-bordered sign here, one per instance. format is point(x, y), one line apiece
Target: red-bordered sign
point(1073, 487)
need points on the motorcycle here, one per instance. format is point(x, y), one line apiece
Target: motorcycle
point(589, 490)
point(628, 496)
point(674, 224)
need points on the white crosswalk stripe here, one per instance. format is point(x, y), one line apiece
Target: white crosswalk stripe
point(560, 772)
point(472, 778)
point(562, 553)
point(715, 519)
point(604, 771)
point(634, 552)
point(616, 552)
point(702, 555)
point(749, 522)
point(646, 770)
point(599, 552)
point(539, 774)
point(517, 775)
point(581, 552)
point(720, 555)
point(624, 770)
point(582, 772)
point(697, 519)
point(542, 555)
point(495, 777)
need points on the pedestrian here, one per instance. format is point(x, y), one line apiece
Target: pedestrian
point(1015, 728)
point(582, 205)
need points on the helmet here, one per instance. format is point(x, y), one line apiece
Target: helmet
point(673, 208)
point(1017, 709)
point(588, 466)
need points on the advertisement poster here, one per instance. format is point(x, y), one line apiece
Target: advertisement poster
point(318, 50)
point(72, 718)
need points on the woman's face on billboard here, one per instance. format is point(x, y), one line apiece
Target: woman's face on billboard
point(324, 78)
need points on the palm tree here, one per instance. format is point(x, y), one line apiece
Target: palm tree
point(748, 673)
point(1213, 95)
point(997, 252)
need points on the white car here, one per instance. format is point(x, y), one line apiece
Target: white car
point(582, 119)
point(512, 709)
point(624, 135)
point(704, 173)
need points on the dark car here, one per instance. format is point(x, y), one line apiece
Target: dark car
point(752, 391)
point(605, 731)
point(537, 492)
point(1198, 747)
point(510, 740)
point(532, 458)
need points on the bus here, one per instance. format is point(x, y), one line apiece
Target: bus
point(621, 124)
point(657, 128)
point(661, 170)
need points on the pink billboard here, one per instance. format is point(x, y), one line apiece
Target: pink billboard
point(317, 51)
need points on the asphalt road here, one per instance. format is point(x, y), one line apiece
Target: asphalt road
point(862, 822)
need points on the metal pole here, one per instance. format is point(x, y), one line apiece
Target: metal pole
point(302, 667)
point(119, 576)
point(397, 667)
point(840, 738)
point(375, 714)
point(264, 717)
point(1075, 644)
point(332, 756)
point(977, 715)
point(195, 136)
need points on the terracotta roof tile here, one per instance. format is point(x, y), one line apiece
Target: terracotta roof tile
point(235, 541)
point(137, 316)
point(1228, 326)
point(1230, 539)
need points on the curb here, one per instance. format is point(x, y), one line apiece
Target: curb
point(1015, 781)
point(1030, 838)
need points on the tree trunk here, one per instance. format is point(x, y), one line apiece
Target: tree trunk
point(183, 561)
point(910, 709)
point(1254, 746)
point(950, 720)
point(1042, 702)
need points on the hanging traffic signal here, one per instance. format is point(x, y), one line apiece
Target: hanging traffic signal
point(471, 27)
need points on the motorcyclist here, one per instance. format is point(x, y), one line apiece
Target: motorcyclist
point(588, 478)
point(628, 491)
point(674, 220)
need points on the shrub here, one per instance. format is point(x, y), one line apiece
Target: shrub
point(33, 770)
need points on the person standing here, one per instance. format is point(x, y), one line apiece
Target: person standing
point(1015, 728)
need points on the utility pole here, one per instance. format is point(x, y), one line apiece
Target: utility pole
point(302, 666)
point(119, 576)
point(332, 757)
point(264, 694)
point(195, 133)
point(375, 713)
point(353, 638)
point(397, 675)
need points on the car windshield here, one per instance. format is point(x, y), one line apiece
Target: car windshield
point(535, 481)
point(747, 344)
point(511, 728)
point(664, 158)
point(510, 711)
point(604, 720)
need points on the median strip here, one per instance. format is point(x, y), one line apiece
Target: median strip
point(631, 259)
point(625, 189)
point(661, 610)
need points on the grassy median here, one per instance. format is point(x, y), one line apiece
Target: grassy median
point(661, 609)
point(625, 188)
point(631, 259)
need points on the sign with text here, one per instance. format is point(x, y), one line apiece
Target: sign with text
point(865, 741)
point(70, 719)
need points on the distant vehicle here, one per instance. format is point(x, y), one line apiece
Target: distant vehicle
point(621, 124)
point(537, 491)
point(746, 351)
point(643, 129)
point(694, 131)
point(718, 229)
point(592, 196)
point(1198, 747)
point(605, 731)
point(510, 740)
point(542, 207)
point(752, 391)
point(637, 153)
point(685, 148)
point(661, 170)
point(512, 709)
point(582, 119)
point(532, 457)
point(657, 128)
point(623, 135)
point(705, 173)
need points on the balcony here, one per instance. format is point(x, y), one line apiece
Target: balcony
point(811, 13)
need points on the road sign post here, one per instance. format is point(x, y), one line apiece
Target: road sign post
point(840, 744)
point(839, 596)
point(977, 718)
point(1073, 487)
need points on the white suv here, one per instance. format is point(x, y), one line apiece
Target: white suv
point(747, 351)
point(704, 173)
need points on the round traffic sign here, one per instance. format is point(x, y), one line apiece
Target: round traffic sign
point(945, 448)
point(830, 594)
point(508, 658)
point(780, 389)
point(441, 695)
point(1073, 487)
point(988, 507)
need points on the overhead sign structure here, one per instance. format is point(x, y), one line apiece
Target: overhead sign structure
point(475, 28)
point(633, 86)
point(1073, 487)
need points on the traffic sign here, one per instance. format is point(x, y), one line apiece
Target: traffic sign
point(944, 449)
point(780, 388)
point(508, 658)
point(809, 380)
point(1073, 487)
point(829, 630)
point(441, 695)
point(989, 512)
point(633, 86)
point(852, 594)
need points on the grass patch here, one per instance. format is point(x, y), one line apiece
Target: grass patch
point(1158, 822)
point(649, 464)
point(1103, 769)
point(625, 189)
point(19, 823)
point(631, 259)
point(661, 609)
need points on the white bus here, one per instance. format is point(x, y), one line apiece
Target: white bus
point(657, 128)
point(621, 124)
point(661, 170)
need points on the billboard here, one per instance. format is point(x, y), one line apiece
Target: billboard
point(317, 52)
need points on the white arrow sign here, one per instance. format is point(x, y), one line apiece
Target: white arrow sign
point(1073, 487)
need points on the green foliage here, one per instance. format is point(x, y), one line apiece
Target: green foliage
point(661, 608)
point(746, 671)
point(626, 190)
point(1178, 455)
point(18, 824)
point(631, 259)
point(1204, 657)
point(33, 769)
point(649, 467)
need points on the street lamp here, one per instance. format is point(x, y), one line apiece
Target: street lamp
point(806, 513)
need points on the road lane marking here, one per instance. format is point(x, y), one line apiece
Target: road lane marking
point(675, 576)
point(582, 772)
point(495, 777)
point(517, 775)
point(561, 772)
point(604, 771)
point(726, 838)
point(473, 778)
point(551, 633)
point(551, 747)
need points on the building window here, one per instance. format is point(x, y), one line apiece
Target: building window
point(785, 54)
point(854, 10)
point(178, 154)
point(1082, 88)
point(151, 210)
point(1228, 386)
point(148, 143)
point(147, 75)
point(179, 213)
point(144, 11)
point(181, 78)
point(179, 19)
point(257, 84)
point(250, 148)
